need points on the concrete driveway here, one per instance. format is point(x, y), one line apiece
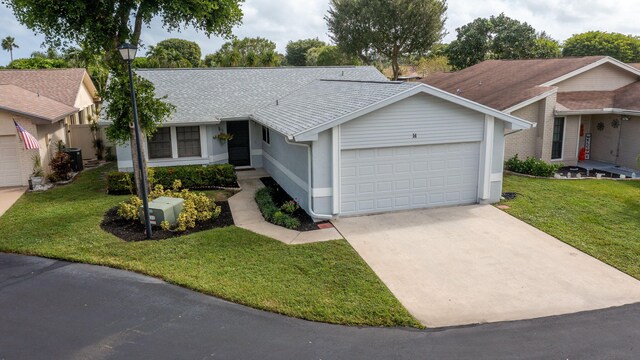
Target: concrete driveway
point(476, 264)
point(8, 196)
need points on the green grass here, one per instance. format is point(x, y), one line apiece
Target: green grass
point(325, 282)
point(598, 217)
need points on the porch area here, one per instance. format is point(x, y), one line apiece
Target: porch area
point(600, 166)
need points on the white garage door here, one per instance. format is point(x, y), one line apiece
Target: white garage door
point(408, 177)
point(9, 166)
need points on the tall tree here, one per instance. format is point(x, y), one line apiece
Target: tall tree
point(297, 50)
point(106, 24)
point(173, 53)
point(245, 52)
point(498, 37)
point(8, 44)
point(625, 48)
point(393, 29)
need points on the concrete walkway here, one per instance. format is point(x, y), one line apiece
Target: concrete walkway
point(8, 196)
point(477, 264)
point(247, 215)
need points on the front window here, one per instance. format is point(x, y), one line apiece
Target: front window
point(188, 141)
point(160, 144)
point(558, 135)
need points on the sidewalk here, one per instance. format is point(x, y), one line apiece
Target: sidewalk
point(247, 215)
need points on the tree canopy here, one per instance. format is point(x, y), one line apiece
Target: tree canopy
point(297, 50)
point(174, 53)
point(246, 52)
point(38, 63)
point(329, 56)
point(625, 48)
point(107, 24)
point(152, 110)
point(498, 37)
point(393, 29)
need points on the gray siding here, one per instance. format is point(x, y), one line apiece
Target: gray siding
point(322, 162)
point(288, 165)
point(434, 121)
point(217, 149)
point(497, 163)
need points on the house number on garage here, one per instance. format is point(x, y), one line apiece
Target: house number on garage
point(415, 136)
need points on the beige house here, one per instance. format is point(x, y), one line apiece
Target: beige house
point(52, 105)
point(587, 109)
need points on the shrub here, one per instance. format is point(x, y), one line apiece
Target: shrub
point(193, 177)
point(290, 206)
point(60, 166)
point(119, 183)
point(197, 207)
point(531, 166)
point(271, 212)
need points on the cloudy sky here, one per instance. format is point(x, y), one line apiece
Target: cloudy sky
point(284, 20)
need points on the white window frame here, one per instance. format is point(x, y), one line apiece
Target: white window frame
point(174, 159)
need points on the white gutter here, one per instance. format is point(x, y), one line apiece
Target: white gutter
point(309, 182)
point(599, 112)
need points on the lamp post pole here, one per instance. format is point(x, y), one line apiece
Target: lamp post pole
point(142, 187)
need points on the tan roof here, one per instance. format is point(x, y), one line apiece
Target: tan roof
point(625, 98)
point(24, 102)
point(61, 85)
point(586, 100)
point(501, 84)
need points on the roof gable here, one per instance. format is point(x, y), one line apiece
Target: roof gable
point(61, 85)
point(24, 102)
point(503, 84)
point(326, 104)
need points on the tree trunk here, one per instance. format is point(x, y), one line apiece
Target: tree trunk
point(136, 168)
point(395, 67)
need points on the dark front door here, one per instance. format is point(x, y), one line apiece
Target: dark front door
point(238, 147)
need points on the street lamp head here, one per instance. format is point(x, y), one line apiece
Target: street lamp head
point(128, 51)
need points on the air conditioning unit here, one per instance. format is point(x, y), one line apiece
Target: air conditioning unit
point(163, 208)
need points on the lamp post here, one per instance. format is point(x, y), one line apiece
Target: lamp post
point(128, 53)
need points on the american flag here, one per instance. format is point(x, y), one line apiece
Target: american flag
point(29, 141)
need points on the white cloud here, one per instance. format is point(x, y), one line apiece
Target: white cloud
point(285, 20)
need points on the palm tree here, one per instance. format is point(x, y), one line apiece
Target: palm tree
point(9, 43)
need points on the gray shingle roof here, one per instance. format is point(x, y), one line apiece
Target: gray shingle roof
point(205, 95)
point(323, 101)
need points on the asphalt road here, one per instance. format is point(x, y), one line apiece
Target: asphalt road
point(58, 310)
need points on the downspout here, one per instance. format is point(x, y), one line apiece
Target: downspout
point(309, 182)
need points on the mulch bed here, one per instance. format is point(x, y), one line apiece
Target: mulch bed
point(280, 196)
point(134, 231)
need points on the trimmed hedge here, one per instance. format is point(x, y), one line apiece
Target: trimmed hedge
point(272, 213)
point(193, 177)
point(531, 166)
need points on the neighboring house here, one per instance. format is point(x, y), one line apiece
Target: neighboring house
point(340, 140)
point(586, 108)
point(46, 103)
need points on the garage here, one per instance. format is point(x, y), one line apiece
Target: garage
point(409, 177)
point(380, 146)
point(9, 164)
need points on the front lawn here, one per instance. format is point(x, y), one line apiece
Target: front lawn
point(598, 217)
point(325, 281)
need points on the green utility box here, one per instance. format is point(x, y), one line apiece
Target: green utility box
point(163, 208)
